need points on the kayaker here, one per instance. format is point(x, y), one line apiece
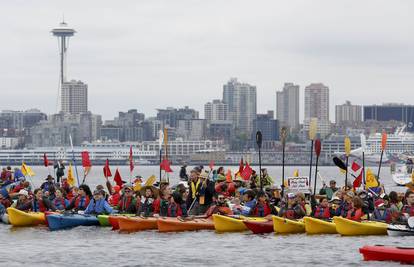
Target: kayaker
point(149, 194)
point(275, 196)
point(194, 186)
point(128, 203)
point(165, 195)
point(408, 209)
point(221, 176)
point(323, 210)
point(395, 200)
point(346, 204)
point(5, 201)
point(60, 201)
point(262, 208)
point(98, 204)
point(206, 193)
point(177, 205)
point(227, 189)
point(115, 197)
point(41, 203)
point(60, 169)
point(49, 186)
point(220, 207)
point(23, 202)
point(65, 185)
point(292, 210)
point(81, 201)
point(249, 202)
point(301, 200)
point(356, 213)
point(329, 191)
point(384, 213)
point(368, 202)
point(22, 185)
point(183, 173)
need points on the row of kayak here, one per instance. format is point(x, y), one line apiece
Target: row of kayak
point(219, 223)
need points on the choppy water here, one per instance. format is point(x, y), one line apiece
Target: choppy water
point(95, 246)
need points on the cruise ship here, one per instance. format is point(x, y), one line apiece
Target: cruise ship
point(400, 147)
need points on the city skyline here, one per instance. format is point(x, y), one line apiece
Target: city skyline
point(153, 50)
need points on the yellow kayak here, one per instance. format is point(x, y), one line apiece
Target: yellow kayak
point(21, 218)
point(315, 226)
point(224, 224)
point(286, 226)
point(352, 228)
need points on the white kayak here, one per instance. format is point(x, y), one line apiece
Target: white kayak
point(399, 230)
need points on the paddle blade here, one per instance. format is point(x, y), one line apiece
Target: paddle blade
point(150, 181)
point(363, 142)
point(347, 146)
point(259, 139)
point(313, 128)
point(283, 135)
point(318, 147)
point(160, 139)
point(384, 140)
point(339, 163)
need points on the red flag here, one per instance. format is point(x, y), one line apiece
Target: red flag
point(117, 178)
point(86, 162)
point(107, 170)
point(45, 160)
point(241, 166)
point(165, 165)
point(131, 160)
point(355, 166)
point(247, 172)
point(211, 164)
point(318, 147)
point(358, 181)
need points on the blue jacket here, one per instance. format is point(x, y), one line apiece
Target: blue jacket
point(248, 207)
point(98, 207)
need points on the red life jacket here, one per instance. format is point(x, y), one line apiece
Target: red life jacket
point(322, 213)
point(355, 215)
point(174, 210)
point(62, 201)
point(409, 210)
point(124, 205)
point(39, 206)
point(290, 214)
point(156, 205)
point(261, 210)
point(78, 202)
point(114, 199)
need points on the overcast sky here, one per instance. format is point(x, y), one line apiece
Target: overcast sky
point(153, 54)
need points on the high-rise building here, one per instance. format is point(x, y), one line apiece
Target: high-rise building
point(391, 112)
point(242, 104)
point(74, 97)
point(348, 113)
point(317, 107)
point(267, 125)
point(170, 116)
point(216, 110)
point(287, 106)
point(193, 130)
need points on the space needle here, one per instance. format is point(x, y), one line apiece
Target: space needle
point(63, 33)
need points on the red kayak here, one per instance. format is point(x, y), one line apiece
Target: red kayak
point(382, 253)
point(258, 227)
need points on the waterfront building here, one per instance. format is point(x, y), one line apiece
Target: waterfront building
point(391, 112)
point(317, 107)
point(348, 114)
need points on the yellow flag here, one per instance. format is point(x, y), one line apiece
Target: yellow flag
point(27, 171)
point(71, 179)
point(371, 180)
point(296, 173)
point(137, 186)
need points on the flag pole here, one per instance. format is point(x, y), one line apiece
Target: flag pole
point(347, 153)
point(283, 139)
point(313, 128)
point(318, 147)
point(259, 144)
point(74, 160)
point(383, 146)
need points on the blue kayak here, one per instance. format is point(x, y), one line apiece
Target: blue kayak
point(65, 221)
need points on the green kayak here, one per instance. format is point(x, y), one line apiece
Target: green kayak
point(104, 220)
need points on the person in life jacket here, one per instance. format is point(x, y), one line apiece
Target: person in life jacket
point(383, 212)
point(292, 209)
point(323, 210)
point(206, 192)
point(22, 185)
point(65, 185)
point(408, 209)
point(98, 205)
point(115, 197)
point(164, 197)
point(249, 202)
point(81, 201)
point(301, 199)
point(41, 203)
point(220, 207)
point(49, 186)
point(23, 201)
point(346, 204)
point(149, 194)
point(128, 202)
point(5, 201)
point(356, 213)
point(60, 201)
point(177, 206)
point(194, 185)
point(262, 207)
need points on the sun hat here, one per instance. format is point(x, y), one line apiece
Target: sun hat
point(23, 192)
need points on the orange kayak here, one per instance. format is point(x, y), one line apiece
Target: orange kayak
point(135, 224)
point(113, 220)
point(175, 225)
